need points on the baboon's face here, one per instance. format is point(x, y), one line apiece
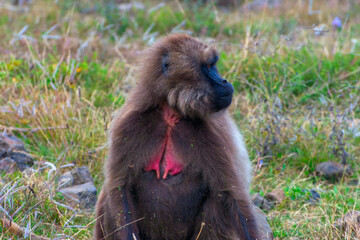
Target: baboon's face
point(190, 72)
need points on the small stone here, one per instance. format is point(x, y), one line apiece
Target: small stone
point(23, 159)
point(228, 3)
point(12, 147)
point(257, 199)
point(10, 143)
point(7, 165)
point(332, 170)
point(77, 176)
point(78, 186)
point(257, 5)
point(81, 175)
point(314, 197)
point(276, 196)
point(265, 231)
point(261, 202)
point(21, 2)
point(350, 222)
point(66, 180)
point(354, 182)
point(84, 194)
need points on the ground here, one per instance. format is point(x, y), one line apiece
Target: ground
point(65, 66)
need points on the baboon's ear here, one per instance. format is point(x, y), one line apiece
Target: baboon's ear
point(165, 63)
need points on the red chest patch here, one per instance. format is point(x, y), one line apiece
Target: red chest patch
point(164, 161)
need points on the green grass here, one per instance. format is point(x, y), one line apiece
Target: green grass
point(294, 93)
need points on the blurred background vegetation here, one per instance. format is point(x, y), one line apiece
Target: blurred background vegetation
point(295, 68)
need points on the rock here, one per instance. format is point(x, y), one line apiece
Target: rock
point(257, 199)
point(228, 3)
point(276, 196)
point(354, 182)
point(21, 2)
point(81, 175)
point(66, 180)
point(261, 202)
point(332, 170)
point(265, 231)
point(10, 143)
point(77, 176)
point(257, 5)
point(350, 222)
point(23, 159)
point(314, 197)
point(7, 165)
point(78, 186)
point(84, 194)
point(12, 147)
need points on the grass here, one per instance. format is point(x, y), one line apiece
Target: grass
point(68, 65)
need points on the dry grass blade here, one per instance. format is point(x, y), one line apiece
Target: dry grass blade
point(19, 231)
point(31, 130)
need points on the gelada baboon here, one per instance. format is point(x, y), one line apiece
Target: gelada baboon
point(177, 167)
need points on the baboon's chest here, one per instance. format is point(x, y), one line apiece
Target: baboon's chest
point(172, 206)
point(165, 161)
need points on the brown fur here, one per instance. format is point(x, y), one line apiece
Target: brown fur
point(212, 188)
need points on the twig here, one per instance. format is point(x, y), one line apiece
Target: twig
point(356, 71)
point(31, 130)
point(67, 222)
point(18, 230)
point(201, 228)
point(62, 205)
point(121, 227)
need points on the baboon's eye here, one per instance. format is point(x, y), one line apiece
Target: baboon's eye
point(209, 66)
point(165, 63)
